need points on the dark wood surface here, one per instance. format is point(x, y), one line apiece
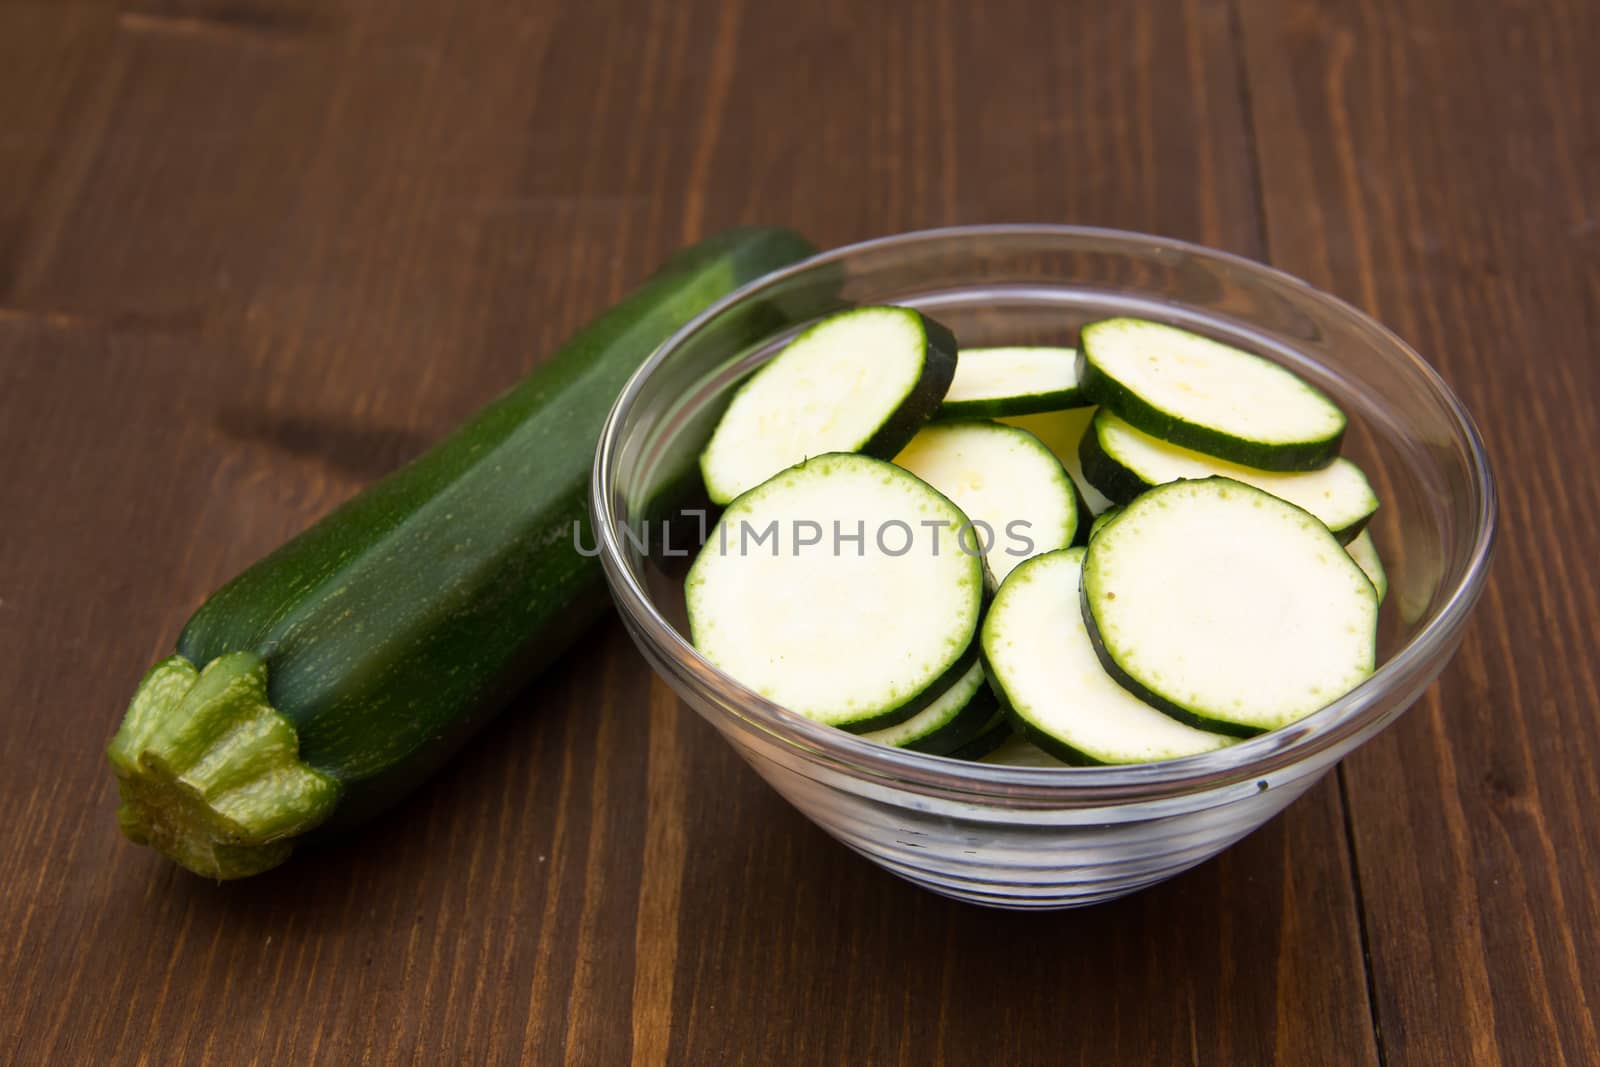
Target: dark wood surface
point(253, 253)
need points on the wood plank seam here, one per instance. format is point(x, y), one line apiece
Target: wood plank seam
point(1361, 915)
point(231, 26)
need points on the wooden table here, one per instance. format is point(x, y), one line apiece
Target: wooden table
point(254, 253)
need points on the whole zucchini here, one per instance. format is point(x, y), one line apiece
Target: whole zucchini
point(338, 672)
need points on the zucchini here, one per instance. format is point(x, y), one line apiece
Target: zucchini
point(1365, 553)
point(1018, 751)
point(1061, 431)
point(827, 590)
point(863, 380)
point(1009, 485)
point(1208, 396)
point(956, 717)
point(337, 673)
point(1226, 607)
point(996, 732)
point(1044, 668)
point(1102, 520)
point(991, 382)
point(1123, 462)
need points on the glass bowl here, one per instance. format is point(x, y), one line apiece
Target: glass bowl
point(1049, 837)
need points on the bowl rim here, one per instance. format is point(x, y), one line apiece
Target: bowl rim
point(1362, 709)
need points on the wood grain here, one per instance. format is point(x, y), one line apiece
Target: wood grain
point(1461, 209)
point(255, 252)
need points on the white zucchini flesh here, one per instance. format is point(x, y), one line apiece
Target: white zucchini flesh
point(1012, 381)
point(1016, 492)
point(1039, 653)
point(1227, 607)
point(1209, 396)
point(858, 632)
point(1365, 553)
point(937, 715)
point(1130, 461)
point(1061, 432)
point(860, 381)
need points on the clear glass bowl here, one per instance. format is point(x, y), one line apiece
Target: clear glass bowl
point(1046, 837)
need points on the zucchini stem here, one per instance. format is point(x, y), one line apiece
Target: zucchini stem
point(209, 772)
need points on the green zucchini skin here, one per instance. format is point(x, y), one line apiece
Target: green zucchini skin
point(923, 402)
point(1106, 391)
point(1117, 483)
point(1086, 517)
point(735, 460)
point(396, 625)
point(1346, 618)
point(1122, 483)
point(1020, 726)
point(1009, 407)
point(962, 730)
point(1102, 520)
point(995, 733)
point(900, 713)
point(393, 627)
point(1136, 411)
point(1014, 403)
point(1052, 746)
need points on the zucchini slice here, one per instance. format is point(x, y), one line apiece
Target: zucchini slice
point(1018, 751)
point(957, 716)
point(1061, 431)
point(824, 590)
point(1123, 462)
point(996, 732)
point(1208, 396)
point(1365, 553)
point(1038, 653)
point(1013, 489)
point(863, 380)
point(1226, 607)
point(991, 382)
point(1102, 520)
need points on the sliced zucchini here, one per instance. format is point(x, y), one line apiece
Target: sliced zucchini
point(996, 732)
point(991, 382)
point(1044, 667)
point(822, 590)
point(1061, 431)
point(973, 722)
point(1123, 462)
point(1208, 396)
point(1018, 751)
point(1104, 518)
point(959, 714)
point(1226, 607)
point(1365, 553)
point(1013, 489)
point(863, 380)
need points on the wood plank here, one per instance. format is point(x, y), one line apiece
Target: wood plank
point(59, 53)
point(299, 241)
point(1434, 162)
point(827, 961)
